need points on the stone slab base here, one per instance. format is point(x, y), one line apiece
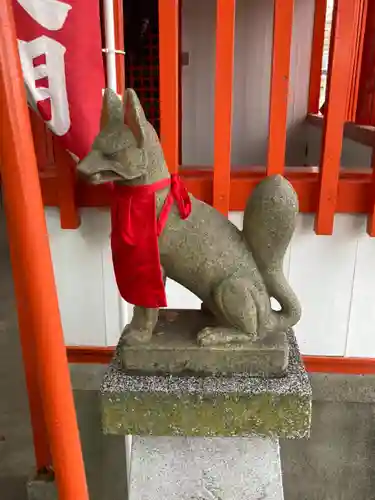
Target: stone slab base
point(40, 488)
point(174, 349)
point(205, 469)
point(237, 405)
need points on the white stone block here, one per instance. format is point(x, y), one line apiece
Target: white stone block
point(193, 468)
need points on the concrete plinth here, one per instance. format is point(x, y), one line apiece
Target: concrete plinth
point(219, 433)
point(165, 468)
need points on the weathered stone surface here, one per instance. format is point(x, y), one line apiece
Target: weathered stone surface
point(205, 469)
point(233, 272)
point(174, 349)
point(237, 405)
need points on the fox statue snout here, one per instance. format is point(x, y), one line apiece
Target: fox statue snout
point(234, 273)
point(117, 153)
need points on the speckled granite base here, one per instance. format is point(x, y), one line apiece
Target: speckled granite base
point(174, 349)
point(205, 469)
point(236, 405)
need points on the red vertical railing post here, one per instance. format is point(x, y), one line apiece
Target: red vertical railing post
point(335, 110)
point(225, 30)
point(34, 277)
point(330, 52)
point(371, 216)
point(365, 113)
point(118, 12)
point(66, 178)
point(317, 55)
point(282, 40)
point(358, 33)
point(169, 81)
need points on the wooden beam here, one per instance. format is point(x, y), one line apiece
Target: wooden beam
point(282, 40)
point(225, 25)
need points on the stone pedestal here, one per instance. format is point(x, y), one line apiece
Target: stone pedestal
point(185, 468)
point(174, 349)
point(208, 437)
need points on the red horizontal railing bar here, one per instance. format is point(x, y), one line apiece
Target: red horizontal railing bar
point(338, 364)
point(169, 81)
point(225, 26)
point(322, 364)
point(36, 296)
point(335, 117)
point(354, 188)
point(317, 55)
point(282, 40)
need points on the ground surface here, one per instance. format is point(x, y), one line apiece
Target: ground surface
point(16, 453)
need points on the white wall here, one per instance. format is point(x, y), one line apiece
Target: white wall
point(334, 277)
point(253, 51)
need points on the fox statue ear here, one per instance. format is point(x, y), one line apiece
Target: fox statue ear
point(112, 109)
point(134, 116)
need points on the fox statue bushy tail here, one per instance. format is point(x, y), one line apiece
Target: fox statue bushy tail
point(268, 226)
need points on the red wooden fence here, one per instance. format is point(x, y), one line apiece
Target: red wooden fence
point(332, 190)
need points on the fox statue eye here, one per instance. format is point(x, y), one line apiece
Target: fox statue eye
point(110, 156)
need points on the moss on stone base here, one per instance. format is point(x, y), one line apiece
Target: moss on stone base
point(162, 415)
point(236, 405)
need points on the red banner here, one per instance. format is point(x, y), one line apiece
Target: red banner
point(61, 56)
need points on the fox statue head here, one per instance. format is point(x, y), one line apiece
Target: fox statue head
point(127, 149)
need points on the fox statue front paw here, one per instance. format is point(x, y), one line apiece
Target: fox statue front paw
point(134, 336)
point(216, 335)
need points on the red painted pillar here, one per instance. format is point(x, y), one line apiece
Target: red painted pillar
point(33, 273)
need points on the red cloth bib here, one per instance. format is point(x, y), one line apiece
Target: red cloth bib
point(134, 238)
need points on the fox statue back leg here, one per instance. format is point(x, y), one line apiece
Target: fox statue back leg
point(244, 302)
point(233, 305)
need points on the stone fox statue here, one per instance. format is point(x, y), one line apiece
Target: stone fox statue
point(233, 272)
